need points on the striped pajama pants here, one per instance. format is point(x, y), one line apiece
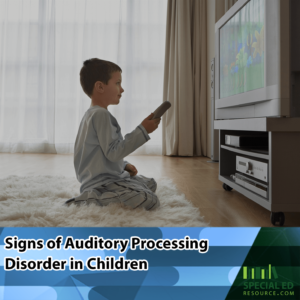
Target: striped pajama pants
point(139, 191)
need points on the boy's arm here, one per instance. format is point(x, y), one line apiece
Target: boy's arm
point(113, 146)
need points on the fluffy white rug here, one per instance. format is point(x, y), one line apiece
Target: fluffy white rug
point(38, 202)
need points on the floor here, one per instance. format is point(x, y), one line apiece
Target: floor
point(193, 176)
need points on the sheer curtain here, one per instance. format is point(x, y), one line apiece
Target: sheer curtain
point(43, 44)
point(184, 128)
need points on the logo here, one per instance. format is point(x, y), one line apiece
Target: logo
point(259, 273)
point(266, 281)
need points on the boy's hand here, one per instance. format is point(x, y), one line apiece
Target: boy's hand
point(131, 169)
point(150, 125)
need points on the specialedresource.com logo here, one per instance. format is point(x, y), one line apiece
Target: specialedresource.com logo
point(265, 282)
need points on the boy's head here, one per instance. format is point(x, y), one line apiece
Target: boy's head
point(97, 70)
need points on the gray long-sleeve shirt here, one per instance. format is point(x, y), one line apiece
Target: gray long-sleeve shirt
point(100, 148)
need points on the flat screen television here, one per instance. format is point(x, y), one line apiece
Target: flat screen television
point(257, 60)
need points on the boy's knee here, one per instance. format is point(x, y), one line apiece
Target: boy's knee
point(147, 200)
point(153, 186)
point(149, 182)
point(154, 203)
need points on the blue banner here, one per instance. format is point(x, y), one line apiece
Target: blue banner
point(121, 263)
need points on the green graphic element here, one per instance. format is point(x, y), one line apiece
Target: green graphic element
point(271, 269)
point(259, 271)
point(274, 272)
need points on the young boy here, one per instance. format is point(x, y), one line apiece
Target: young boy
point(100, 147)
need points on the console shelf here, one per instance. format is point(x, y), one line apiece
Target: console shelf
point(282, 158)
point(253, 153)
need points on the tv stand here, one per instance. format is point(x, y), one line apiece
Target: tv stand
point(282, 157)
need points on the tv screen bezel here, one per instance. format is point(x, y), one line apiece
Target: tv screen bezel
point(269, 100)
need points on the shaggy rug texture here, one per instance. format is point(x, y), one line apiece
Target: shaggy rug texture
point(38, 202)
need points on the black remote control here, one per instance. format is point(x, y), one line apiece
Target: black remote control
point(161, 110)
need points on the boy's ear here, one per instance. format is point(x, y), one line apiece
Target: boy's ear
point(99, 86)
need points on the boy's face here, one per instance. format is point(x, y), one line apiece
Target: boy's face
point(113, 90)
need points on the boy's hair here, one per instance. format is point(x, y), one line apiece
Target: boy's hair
point(96, 69)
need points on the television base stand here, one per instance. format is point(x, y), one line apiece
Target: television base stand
point(279, 191)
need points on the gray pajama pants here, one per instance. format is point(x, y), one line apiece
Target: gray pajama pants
point(139, 191)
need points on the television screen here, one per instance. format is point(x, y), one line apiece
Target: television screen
point(242, 50)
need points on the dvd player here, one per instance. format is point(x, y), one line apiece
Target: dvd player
point(253, 168)
point(246, 141)
point(250, 184)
